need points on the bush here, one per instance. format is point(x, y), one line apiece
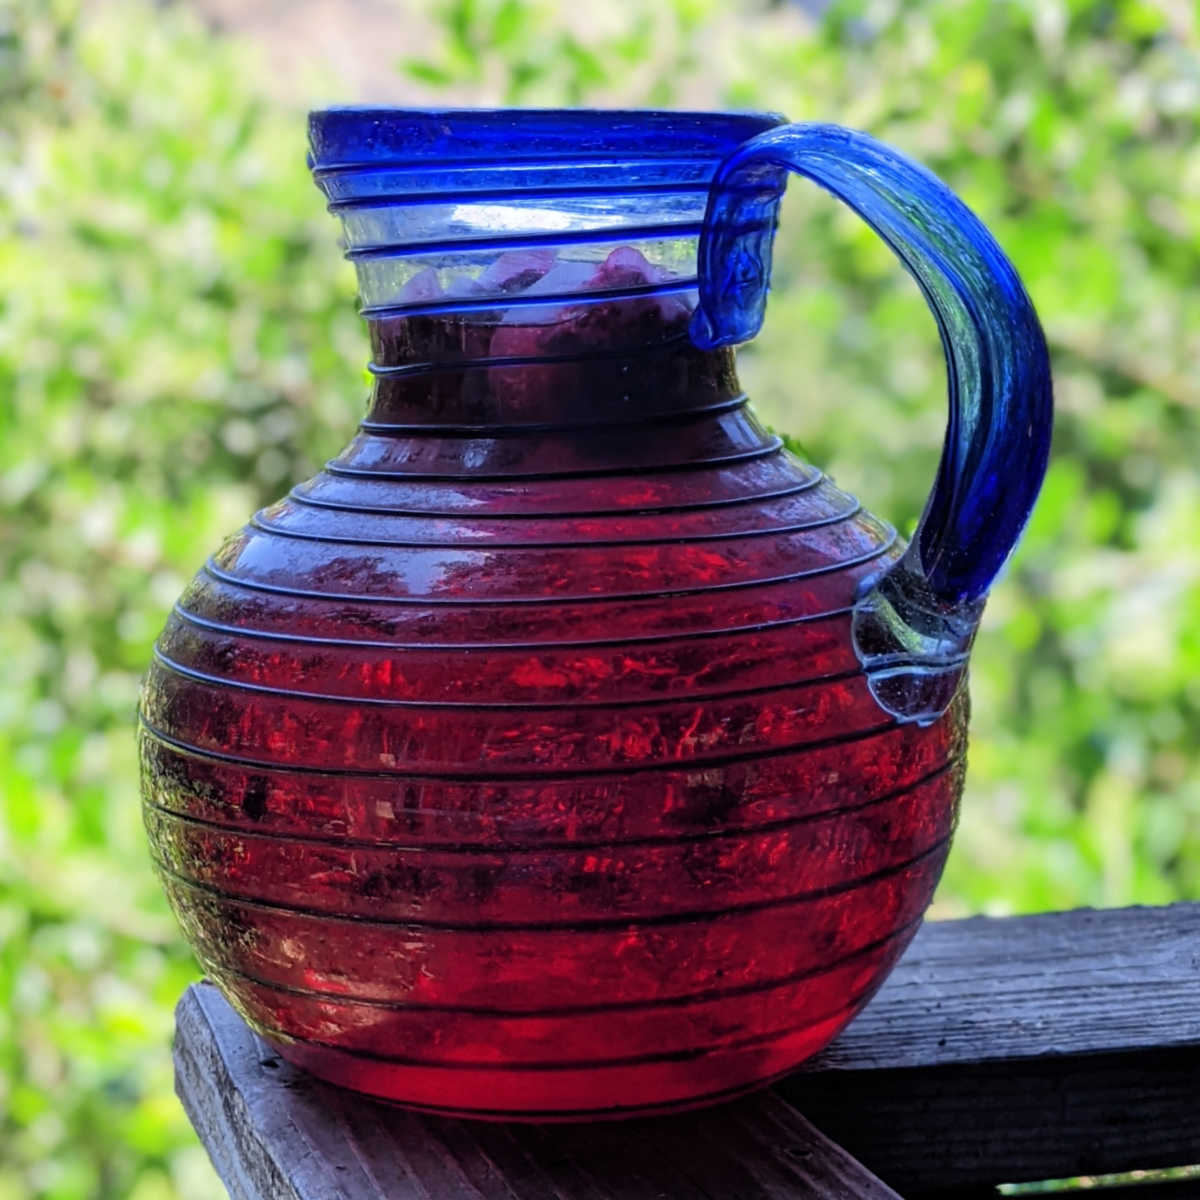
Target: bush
point(177, 340)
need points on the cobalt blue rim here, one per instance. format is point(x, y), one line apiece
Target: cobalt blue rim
point(347, 137)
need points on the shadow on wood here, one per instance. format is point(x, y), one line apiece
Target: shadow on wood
point(1022, 1048)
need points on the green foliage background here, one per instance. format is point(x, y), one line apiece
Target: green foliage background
point(178, 342)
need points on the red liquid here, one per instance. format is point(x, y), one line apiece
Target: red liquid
point(521, 765)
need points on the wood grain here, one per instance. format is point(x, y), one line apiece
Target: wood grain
point(1006, 1050)
point(996, 988)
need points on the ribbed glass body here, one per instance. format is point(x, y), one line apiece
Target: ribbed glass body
point(521, 762)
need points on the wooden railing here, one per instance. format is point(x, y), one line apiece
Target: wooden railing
point(999, 1051)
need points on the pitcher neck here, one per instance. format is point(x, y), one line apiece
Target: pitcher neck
point(450, 373)
point(529, 267)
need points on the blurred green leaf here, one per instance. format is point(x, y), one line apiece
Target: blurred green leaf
point(423, 71)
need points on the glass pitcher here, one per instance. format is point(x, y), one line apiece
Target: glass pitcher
point(568, 748)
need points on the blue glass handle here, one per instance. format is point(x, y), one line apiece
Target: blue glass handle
point(914, 624)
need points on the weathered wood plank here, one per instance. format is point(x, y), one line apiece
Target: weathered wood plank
point(995, 988)
point(275, 1134)
point(1024, 1048)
